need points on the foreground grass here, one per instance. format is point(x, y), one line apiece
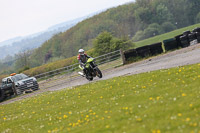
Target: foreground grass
point(165, 36)
point(159, 101)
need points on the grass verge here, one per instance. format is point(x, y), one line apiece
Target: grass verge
point(158, 101)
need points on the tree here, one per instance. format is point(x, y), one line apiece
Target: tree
point(105, 43)
point(167, 27)
point(138, 36)
point(22, 60)
point(162, 14)
point(197, 20)
point(102, 44)
point(143, 15)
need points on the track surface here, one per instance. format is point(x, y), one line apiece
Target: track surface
point(181, 57)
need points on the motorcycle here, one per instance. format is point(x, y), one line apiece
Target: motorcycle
point(91, 70)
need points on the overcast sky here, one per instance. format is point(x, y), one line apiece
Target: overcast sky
point(24, 17)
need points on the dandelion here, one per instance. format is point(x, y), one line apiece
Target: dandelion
point(183, 94)
point(65, 116)
point(187, 119)
point(101, 97)
point(179, 114)
point(70, 112)
point(158, 98)
point(4, 118)
point(107, 126)
point(191, 105)
point(150, 98)
point(138, 119)
point(106, 112)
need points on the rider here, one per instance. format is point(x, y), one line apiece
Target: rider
point(82, 58)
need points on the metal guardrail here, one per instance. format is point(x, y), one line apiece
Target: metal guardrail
point(104, 62)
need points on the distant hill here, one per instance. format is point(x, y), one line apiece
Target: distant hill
point(10, 41)
point(15, 45)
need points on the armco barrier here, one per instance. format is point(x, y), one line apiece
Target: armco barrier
point(156, 48)
point(143, 51)
point(170, 44)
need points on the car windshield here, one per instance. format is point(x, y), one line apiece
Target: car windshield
point(19, 77)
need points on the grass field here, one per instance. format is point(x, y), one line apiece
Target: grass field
point(159, 101)
point(165, 36)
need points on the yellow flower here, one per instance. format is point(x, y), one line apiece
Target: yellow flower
point(70, 113)
point(107, 126)
point(106, 112)
point(183, 94)
point(65, 116)
point(101, 97)
point(138, 119)
point(191, 105)
point(158, 98)
point(150, 98)
point(4, 118)
point(187, 119)
point(179, 114)
point(195, 124)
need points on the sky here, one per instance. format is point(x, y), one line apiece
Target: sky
point(25, 17)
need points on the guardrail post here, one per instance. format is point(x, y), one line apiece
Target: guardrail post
point(122, 56)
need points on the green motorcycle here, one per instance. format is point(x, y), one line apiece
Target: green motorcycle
point(91, 70)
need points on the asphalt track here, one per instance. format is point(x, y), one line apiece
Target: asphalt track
point(181, 57)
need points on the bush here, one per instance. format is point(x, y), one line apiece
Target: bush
point(168, 26)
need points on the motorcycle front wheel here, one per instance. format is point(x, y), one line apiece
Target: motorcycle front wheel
point(98, 73)
point(89, 78)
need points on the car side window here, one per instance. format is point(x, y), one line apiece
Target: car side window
point(9, 81)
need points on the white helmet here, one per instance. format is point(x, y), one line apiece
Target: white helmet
point(81, 51)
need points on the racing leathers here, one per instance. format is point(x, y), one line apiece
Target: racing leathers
point(82, 59)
